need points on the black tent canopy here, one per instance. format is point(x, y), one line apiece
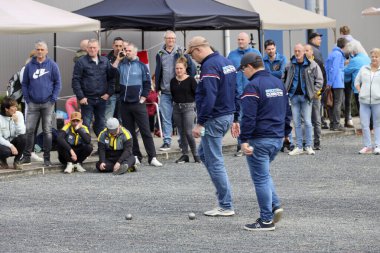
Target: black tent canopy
point(161, 15)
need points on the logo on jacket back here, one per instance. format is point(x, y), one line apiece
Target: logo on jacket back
point(39, 73)
point(272, 93)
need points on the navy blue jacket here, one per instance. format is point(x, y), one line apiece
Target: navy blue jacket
point(41, 82)
point(215, 93)
point(265, 108)
point(93, 80)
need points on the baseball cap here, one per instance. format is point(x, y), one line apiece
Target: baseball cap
point(249, 58)
point(112, 124)
point(313, 35)
point(196, 41)
point(75, 116)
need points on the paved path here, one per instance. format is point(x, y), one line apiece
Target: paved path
point(331, 203)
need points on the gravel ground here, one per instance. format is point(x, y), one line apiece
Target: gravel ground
point(331, 203)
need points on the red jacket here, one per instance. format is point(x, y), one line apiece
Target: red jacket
point(152, 98)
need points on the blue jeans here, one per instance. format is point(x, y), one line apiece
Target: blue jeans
point(34, 113)
point(166, 110)
point(365, 117)
point(96, 108)
point(111, 104)
point(264, 152)
point(301, 109)
point(210, 152)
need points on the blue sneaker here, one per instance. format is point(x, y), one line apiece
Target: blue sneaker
point(260, 225)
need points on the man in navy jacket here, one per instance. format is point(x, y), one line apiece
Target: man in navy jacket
point(264, 105)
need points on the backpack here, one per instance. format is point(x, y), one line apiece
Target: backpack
point(14, 89)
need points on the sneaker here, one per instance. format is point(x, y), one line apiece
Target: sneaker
point(47, 163)
point(3, 164)
point(338, 128)
point(17, 165)
point(239, 153)
point(277, 214)
point(183, 159)
point(365, 150)
point(197, 159)
point(309, 151)
point(325, 126)
point(260, 225)
point(69, 168)
point(349, 124)
point(25, 160)
point(376, 151)
point(219, 212)
point(165, 147)
point(78, 167)
point(296, 151)
point(137, 162)
point(317, 145)
point(36, 158)
point(123, 169)
point(155, 162)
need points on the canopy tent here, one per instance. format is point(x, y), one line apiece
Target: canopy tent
point(27, 16)
point(161, 15)
point(371, 11)
point(278, 15)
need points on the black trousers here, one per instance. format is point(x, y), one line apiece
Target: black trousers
point(347, 101)
point(19, 142)
point(136, 114)
point(83, 151)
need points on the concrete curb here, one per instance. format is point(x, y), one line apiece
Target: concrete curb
point(172, 155)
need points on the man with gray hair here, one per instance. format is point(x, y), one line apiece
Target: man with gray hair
point(134, 89)
point(41, 85)
point(165, 71)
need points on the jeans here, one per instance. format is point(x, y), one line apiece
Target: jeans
point(334, 112)
point(136, 114)
point(316, 120)
point(365, 117)
point(210, 152)
point(301, 109)
point(166, 109)
point(112, 107)
point(183, 115)
point(96, 107)
point(34, 113)
point(264, 152)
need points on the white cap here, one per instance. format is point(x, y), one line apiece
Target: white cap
point(112, 124)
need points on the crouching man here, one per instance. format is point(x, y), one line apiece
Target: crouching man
point(115, 149)
point(12, 134)
point(74, 144)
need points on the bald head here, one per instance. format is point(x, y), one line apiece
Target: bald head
point(299, 52)
point(243, 40)
point(83, 45)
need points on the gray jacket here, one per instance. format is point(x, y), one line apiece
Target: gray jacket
point(370, 87)
point(312, 75)
point(10, 130)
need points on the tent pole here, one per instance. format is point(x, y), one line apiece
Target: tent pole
point(260, 34)
point(290, 44)
point(55, 47)
point(184, 39)
point(142, 40)
point(227, 43)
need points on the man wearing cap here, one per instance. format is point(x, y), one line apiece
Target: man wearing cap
point(215, 103)
point(115, 149)
point(74, 144)
point(315, 40)
point(264, 104)
point(235, 57)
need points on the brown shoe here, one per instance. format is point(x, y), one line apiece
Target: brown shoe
point(3, 164)
point(18, 166)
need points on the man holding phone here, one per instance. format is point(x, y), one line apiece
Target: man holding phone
point(74, 144)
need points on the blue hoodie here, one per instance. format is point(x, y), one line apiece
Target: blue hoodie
point(265, 108)
point(235, 56)
point(353, 67)
point(215, 93)
point(335, 68)
point(41, 82)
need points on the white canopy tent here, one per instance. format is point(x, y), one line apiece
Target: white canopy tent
point(27, 16)
point(278, 15)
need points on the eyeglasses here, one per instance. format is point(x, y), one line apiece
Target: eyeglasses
point(191, 51)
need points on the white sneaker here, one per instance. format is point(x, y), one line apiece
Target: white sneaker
point(69, 168)
point(376, 151)
point(79, 167)
point(137, 162)
point(296, 151)
point(36, 158)
point(155, 162)
point(310, 151)
point(219, 212)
